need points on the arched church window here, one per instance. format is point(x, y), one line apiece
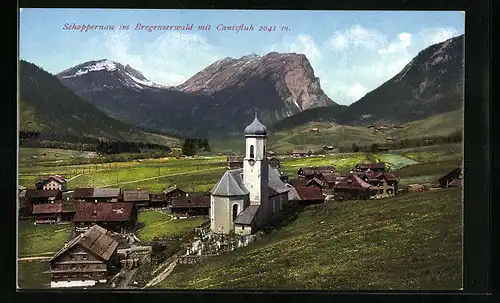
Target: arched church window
point(264, 149)
point(252, 154)
point(235, 211)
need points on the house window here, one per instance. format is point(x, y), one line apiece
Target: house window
point(235, 211)
point(252, 155)
point(243, 227)
point(84, 257)
point(72, 257)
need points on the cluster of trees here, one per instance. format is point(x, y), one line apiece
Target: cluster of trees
point(118, 147)
point(192, 145)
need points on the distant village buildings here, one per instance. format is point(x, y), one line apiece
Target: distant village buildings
point(52, 182)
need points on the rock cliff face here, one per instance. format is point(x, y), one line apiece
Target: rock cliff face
point(220, 99)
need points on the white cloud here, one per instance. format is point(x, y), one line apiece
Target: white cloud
point(399, 46)
point(356, 92)
point(301, 44)
point(356, 36)
point(436, 35)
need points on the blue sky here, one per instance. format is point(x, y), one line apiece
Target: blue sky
point(352, 52)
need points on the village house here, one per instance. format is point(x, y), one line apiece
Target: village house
point(110, 195)
point(309, 195)
point(247, 199)
point(451, 179)
point(158, 200)
point(316, 171)
point(35, 196)
point(183, 207)
point(384, 184)
point(86, 260)
point(301, 153)
point(54, 212)
point(52, 182)
point(352, 187)
point(139, 197)
point(173, 192)
point(118, 217)
point(376, 167)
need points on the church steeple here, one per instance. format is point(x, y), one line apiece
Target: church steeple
point(256, 128)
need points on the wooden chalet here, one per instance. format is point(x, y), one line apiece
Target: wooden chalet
point(352, 188)
point(158, 200)
point(97, 194)
point(191, 206)
point(54, 212)
point(86, 260)
point(52, 182)
point(301, 153)
point(172, 193)
point(377, 167)
point(328, 178)
point(139, 197)
point(36, 196)
point(314, 172)
point(234, 162)
point(384, 183)
point(451, 179)
point(118, 217)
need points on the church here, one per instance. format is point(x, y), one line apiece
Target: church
point(247, 199)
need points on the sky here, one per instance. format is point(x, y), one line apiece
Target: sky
point(351, 52)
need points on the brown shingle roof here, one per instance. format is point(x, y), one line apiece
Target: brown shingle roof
point(298, 183)
point(99, 212)
point(34, 193)
point(310, 193)
point(106, 193)
point(96, 239)
point(172, 189)
point(329, 177)
point(82, 193)
point(135, 195)
point(157, 197)
point(353, 181)
point(50, 208)
point(194, 202)
point(370, 165)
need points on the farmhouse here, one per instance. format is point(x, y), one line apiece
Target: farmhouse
point(190, 206)
point(54, 212)
point(301, 153)
point(377, 167)
point(36, 196)
point(139, 197)
point(84, 194)
point(52, 182)
point(451, 179)
point(309, 195)
point(246, 199)
point(381, 180)
point(312, 172)
point(351, 187)
point(158, 200)
point(117, 217)
point(85, 260)
point(172, 193)
point(329, 178)
point(97, 194)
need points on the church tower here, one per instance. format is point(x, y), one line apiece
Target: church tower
point(255, 167)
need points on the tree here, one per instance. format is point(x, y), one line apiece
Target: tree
point(374, 148)
point(355, 148)
point(188, 147)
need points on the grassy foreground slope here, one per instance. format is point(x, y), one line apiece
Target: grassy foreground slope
point(409, 242)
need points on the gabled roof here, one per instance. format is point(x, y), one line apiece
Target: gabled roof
point(247, 216)
point(83, 192)
point(373, 175)
point(106, 193)
point(454, 174)
point(101, 211)
point(354, 182)
point(135, 195)
point(298, 182)
point(172, 189)
point(231, 184)
point(157, 197)
point(35, 193)
point(276, 186)
point(293, 195)
point(58, 178)
point(310, 193)
point(330, 177)
point(96, 239)
point(315, 180)
point(50, 208)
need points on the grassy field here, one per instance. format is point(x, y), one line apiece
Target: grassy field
point(412, 242)
point(158, 224)
point(33, 275)
point(41, 239)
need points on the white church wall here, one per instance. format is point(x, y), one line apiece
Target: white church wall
point(221, 219)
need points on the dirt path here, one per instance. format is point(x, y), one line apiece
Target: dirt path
point(34, 259)
point(164, 274)
point(74, 177)
point(163, 176)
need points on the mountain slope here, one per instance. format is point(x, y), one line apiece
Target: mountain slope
point(432, 83)
point(408, 242)
point(47, 106)
point(218, 100)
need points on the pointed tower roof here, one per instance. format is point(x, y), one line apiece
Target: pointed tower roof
point(256, 128)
